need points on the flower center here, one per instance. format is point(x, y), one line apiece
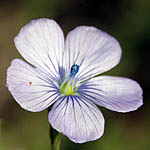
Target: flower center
point(67, 89)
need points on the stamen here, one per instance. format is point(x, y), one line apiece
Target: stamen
point(74, 70)
point(69, 87)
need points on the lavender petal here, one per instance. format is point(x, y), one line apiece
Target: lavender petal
point(29, 88)
point(79, 120)
point(115, 93)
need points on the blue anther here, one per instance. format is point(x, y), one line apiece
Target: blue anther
point(74, 70)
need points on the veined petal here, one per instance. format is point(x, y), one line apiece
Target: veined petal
point(93, 50)
point(33, 90)
point(115, 93)
point(79, 120)
point(41, 43)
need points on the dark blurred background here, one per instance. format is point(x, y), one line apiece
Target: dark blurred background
point(128, 21)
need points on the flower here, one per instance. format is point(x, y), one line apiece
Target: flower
point(64, 75)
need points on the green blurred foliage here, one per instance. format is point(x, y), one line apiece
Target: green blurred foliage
point(126, 20)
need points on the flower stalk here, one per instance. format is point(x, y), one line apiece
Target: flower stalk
point(55, 138)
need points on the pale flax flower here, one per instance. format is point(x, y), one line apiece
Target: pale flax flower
point(64, 75)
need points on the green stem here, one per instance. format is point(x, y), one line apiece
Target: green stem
point(55, 138)
point(57, 142)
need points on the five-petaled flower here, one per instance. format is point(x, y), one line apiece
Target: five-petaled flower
point(64, 75)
